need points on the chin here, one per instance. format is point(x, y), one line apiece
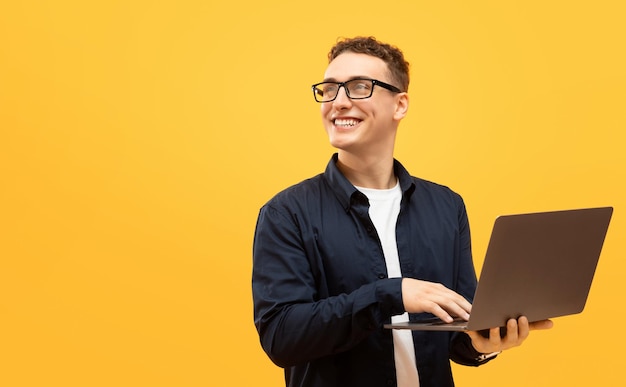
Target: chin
point(339, 141)
point(342, 145)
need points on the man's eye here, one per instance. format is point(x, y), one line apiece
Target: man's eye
point(360, 86)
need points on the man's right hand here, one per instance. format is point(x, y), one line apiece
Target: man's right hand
point(423, 296)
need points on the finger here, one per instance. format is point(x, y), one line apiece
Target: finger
point(440, 312)
point(512, 333)
point(494, 337)
point(543, 324)
point(441, 290)
point(453, 308)
point(523, 329)
point(453, 303)
point(462, 302)
point(466, 306)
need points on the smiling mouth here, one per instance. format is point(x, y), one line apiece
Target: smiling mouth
point(346, 122)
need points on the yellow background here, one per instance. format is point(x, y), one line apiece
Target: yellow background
point(138, 140)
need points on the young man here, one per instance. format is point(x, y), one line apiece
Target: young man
point(338, 255)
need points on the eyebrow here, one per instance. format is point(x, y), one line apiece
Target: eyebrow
point(349, 79)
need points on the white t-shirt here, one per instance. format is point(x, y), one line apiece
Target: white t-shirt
point(384, 209)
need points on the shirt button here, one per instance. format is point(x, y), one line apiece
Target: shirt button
point(391, 382)
point(382, 276)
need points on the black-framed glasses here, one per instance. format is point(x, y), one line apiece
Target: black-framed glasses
point(359, 88)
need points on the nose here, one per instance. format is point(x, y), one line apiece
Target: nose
point(342, 100)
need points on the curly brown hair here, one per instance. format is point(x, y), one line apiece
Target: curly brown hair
point(391, 55)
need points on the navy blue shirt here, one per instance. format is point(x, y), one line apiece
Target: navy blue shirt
point(320, 285)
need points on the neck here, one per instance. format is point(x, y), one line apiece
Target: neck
point(367, 172)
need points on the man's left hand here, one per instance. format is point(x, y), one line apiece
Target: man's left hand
point(516, 332)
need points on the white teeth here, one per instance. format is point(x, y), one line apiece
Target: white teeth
point(346, 122)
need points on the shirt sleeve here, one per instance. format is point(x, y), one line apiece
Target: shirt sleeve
point(295, 325)
point(463, 352)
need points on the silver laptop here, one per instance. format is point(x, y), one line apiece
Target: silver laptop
point(538, 265)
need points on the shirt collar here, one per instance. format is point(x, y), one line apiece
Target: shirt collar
point(344, 190)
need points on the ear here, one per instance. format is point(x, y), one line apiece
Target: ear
point(402, 106)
